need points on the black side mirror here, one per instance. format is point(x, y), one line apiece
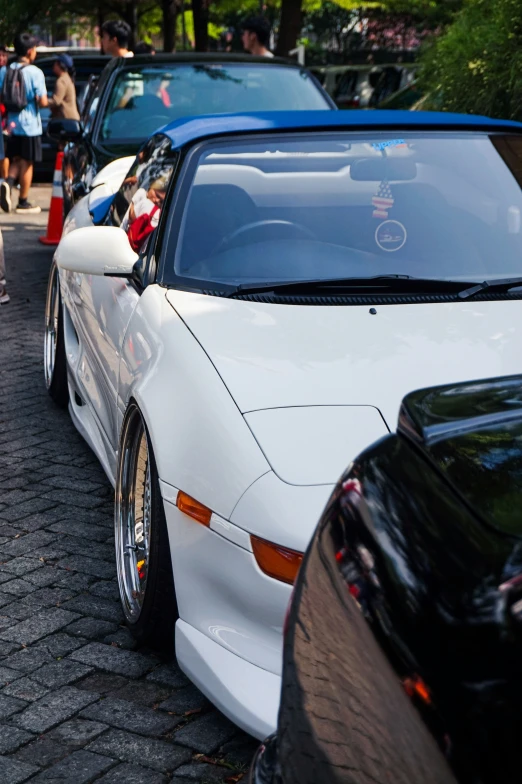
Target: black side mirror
point(61, 130)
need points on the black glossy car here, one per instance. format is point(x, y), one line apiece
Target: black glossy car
point(88, 67)
point(136, 96)
point(403, 650)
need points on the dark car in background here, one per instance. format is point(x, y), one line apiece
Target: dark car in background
point(403, 646)
point(134, 97)
point(88, 67)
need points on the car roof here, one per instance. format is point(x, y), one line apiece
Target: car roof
point(192, 129)
point(201, 57)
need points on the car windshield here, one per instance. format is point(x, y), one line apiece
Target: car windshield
point(144, 99)
point(328, 206)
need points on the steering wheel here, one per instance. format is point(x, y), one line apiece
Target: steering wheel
point(154, 121)
point(279, 227)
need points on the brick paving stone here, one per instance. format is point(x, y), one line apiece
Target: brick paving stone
point(107, 589)
point(11, 738)
point(76, 546)
point(81, 563)
point(59, 644)
point(8, 675)
point(26, 688)
point(156, 754)
point(17, 610)
point(122, 638)
point(61, 673)
point(103, 683)
point(10, 705)
point(47, 597)
point(170, 675)
point(131, 774)
point(202, 772)
point(47, 575)
point(42, 752)
point(73, 581)
point(80, 767)
point(40, 625)
point(92, 628)
point(20, 566)
point(96, 607)
point(13, 771)
point(17, 587)
point(27, 660)
point(77, 732)
point(7, 647)
point(240, 750)
point(184, 700)
point(206, 734)
point(143, 693)
point(129, 716)
point(110, 659)
point(55, 707)
point(84, 500)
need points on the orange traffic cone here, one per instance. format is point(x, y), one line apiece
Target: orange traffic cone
point(55, 222)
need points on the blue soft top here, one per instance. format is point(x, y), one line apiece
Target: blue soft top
point(192, 129)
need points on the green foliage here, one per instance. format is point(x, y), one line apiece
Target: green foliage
point(476, 66)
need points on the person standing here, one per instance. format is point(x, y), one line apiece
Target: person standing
point(115, 38)
point(4, 296)
point(142, 47)
point(63, 103)
point(23, 93)
point(256, 36)
point(4, 162)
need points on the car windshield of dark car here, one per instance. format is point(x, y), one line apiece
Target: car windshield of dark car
point(144, 99)
point(318, 206)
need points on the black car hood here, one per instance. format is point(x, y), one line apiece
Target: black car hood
point(473, 434)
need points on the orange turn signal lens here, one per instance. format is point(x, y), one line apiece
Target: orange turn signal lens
point(193, 508)
point(276, 561)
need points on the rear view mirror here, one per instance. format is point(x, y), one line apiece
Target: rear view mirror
point(61, 130)
point(379, 169)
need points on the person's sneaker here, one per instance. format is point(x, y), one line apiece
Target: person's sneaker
point(4, 296)
point(5, 196)
point(25, 207)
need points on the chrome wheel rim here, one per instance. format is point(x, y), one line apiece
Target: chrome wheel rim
point(52, 312)
point(133, 517)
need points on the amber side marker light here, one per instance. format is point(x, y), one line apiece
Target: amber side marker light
point(193, 508)
point(276, 561)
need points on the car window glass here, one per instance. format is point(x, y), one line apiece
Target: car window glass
point(143, 100)
point(137, 205)
point(433, 205)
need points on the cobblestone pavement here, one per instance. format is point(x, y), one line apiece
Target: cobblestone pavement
point(78, 702)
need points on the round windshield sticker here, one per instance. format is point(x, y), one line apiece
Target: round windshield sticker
point(390, 236)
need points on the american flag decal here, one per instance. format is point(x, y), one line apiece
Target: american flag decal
point(383, 200)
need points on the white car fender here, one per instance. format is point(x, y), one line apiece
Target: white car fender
point(201, 442)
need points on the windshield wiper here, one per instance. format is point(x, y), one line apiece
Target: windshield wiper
point(395, 283)
point(495, 285)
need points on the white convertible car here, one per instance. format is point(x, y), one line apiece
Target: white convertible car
point(239, 310)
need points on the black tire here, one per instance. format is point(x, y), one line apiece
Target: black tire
point(151, 613)
point(55, 360)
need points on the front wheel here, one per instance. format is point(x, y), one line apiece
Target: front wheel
point(143, 560)
point(55, 360)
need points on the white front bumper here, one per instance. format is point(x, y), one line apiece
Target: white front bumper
point(248, 695)
point(229, 636)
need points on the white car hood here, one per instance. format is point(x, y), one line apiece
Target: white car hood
point(274, 356)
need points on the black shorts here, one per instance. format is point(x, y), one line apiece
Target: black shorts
point(27, 147)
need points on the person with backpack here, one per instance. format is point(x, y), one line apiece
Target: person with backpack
point(23, 93)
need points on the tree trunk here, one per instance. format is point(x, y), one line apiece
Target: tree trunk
point(290, 26)
point(101, 20)
point(170, 11)
point(200, 14)
point(131, 17)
